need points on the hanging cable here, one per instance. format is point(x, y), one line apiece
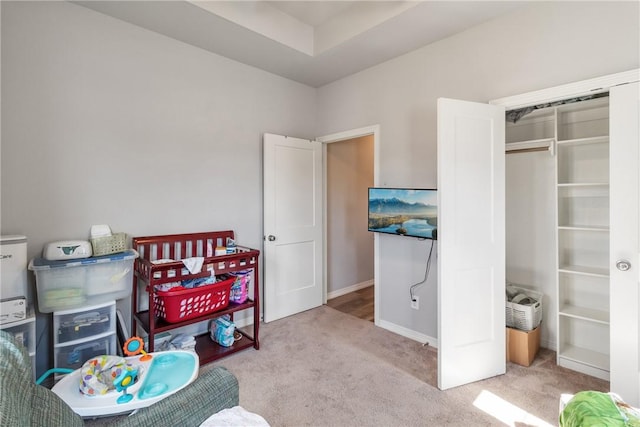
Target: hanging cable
point(426, 273)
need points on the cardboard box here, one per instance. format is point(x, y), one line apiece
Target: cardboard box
point(522, 346)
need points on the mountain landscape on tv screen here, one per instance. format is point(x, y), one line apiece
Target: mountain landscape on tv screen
point(395, 206)
point(397, 216)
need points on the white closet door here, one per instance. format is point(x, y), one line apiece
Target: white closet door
point(471, 239)
point(625, 241)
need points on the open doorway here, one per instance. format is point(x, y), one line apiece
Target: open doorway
point(350, 256)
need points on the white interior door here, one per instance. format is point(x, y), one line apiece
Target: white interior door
point(471, 242)
point(625, 241)
point(293, 248)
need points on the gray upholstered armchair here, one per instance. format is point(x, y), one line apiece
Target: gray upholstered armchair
point(23, 403)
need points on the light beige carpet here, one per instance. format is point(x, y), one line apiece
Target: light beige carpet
point(326, 368)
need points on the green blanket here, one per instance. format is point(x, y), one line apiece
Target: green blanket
point(597, 409)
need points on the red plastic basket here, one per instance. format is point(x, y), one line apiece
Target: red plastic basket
point(184, 304)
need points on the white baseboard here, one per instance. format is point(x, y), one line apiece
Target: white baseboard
point(548, 344)
point(348, 289)
point(408, 333)
point(400, 330)
point(431, 341)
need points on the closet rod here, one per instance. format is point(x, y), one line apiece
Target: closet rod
point(527, 150)
point(547, 144)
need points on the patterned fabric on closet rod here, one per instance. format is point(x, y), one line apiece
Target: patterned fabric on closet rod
point(514, 115)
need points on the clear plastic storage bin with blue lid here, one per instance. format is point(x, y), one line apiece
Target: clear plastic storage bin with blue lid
point(68, 284)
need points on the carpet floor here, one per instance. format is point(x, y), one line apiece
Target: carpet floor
point(326, 368)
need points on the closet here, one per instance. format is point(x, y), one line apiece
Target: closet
point(571, 205)
point(577, 234)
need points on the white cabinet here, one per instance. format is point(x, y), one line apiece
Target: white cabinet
point(14, 290)
point(25, 332)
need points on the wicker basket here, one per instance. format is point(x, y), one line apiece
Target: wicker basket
point(108, 245)
point(184, 304)
point(524, 317)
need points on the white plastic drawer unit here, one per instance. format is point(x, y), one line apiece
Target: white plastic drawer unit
point(73, 355)
point(64, 285)
point(73, 325)
point(24, 332)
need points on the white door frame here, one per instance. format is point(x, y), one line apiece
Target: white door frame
point(556, 93)
point(337, 137)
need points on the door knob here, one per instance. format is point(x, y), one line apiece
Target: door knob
point(623, 265)
point(271, 237)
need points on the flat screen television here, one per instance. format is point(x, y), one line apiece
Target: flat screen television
point(411, 212)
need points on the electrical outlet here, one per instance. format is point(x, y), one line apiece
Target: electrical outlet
point(415, 303)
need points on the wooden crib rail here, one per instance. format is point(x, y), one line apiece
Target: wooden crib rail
point(179, 246)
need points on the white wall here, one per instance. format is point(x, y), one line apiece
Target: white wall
point(546, 45)
point(108, 123)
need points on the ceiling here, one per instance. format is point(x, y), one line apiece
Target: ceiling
point(312, 42)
